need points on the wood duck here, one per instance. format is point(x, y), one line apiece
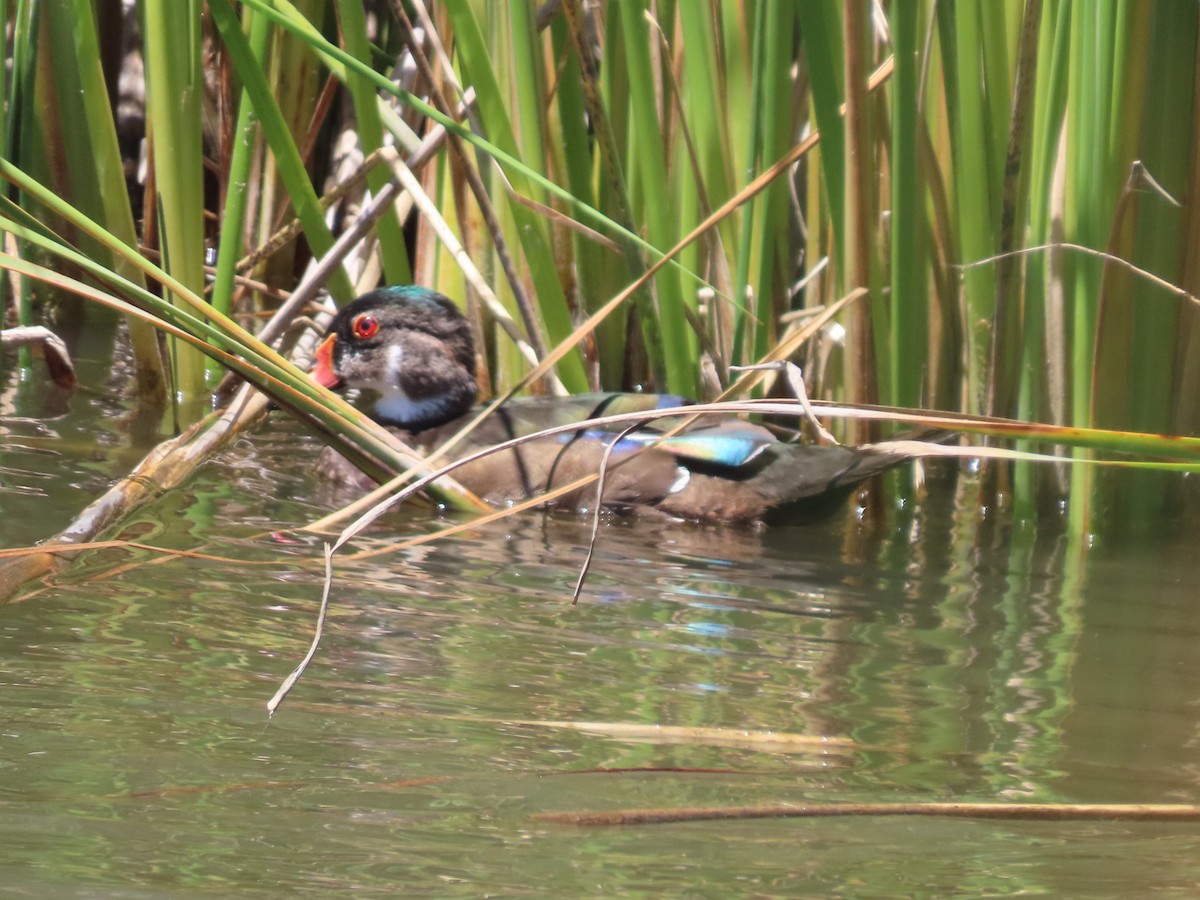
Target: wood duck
point(414, 350)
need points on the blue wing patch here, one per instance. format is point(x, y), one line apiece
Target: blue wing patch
point(730, 444)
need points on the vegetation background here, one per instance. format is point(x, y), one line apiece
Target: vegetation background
point(987, 206)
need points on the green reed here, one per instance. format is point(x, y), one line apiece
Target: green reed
point(956, 142)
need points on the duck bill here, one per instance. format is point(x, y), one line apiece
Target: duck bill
point(322, 372)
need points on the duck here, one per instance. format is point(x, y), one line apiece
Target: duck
point(410, 352)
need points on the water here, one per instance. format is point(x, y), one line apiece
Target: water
point(433, 728)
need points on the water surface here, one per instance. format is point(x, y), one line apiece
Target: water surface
point(136, 757)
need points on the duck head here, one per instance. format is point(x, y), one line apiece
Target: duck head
point(409, 345)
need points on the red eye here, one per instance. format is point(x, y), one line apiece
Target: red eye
point(365, 326)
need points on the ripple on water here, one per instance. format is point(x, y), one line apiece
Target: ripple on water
point(135, 753)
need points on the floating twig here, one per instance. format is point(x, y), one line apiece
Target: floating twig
point(1030, 812)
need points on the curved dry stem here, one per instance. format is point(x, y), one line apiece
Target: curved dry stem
point(1136, 270)
point(54, 350)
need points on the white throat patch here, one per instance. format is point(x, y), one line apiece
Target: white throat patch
point(397, 407)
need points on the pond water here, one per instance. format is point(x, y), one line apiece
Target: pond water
point(457, 696)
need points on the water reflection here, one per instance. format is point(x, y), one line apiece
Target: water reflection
point(433, 723)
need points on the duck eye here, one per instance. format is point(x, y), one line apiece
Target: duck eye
point(364, 326)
